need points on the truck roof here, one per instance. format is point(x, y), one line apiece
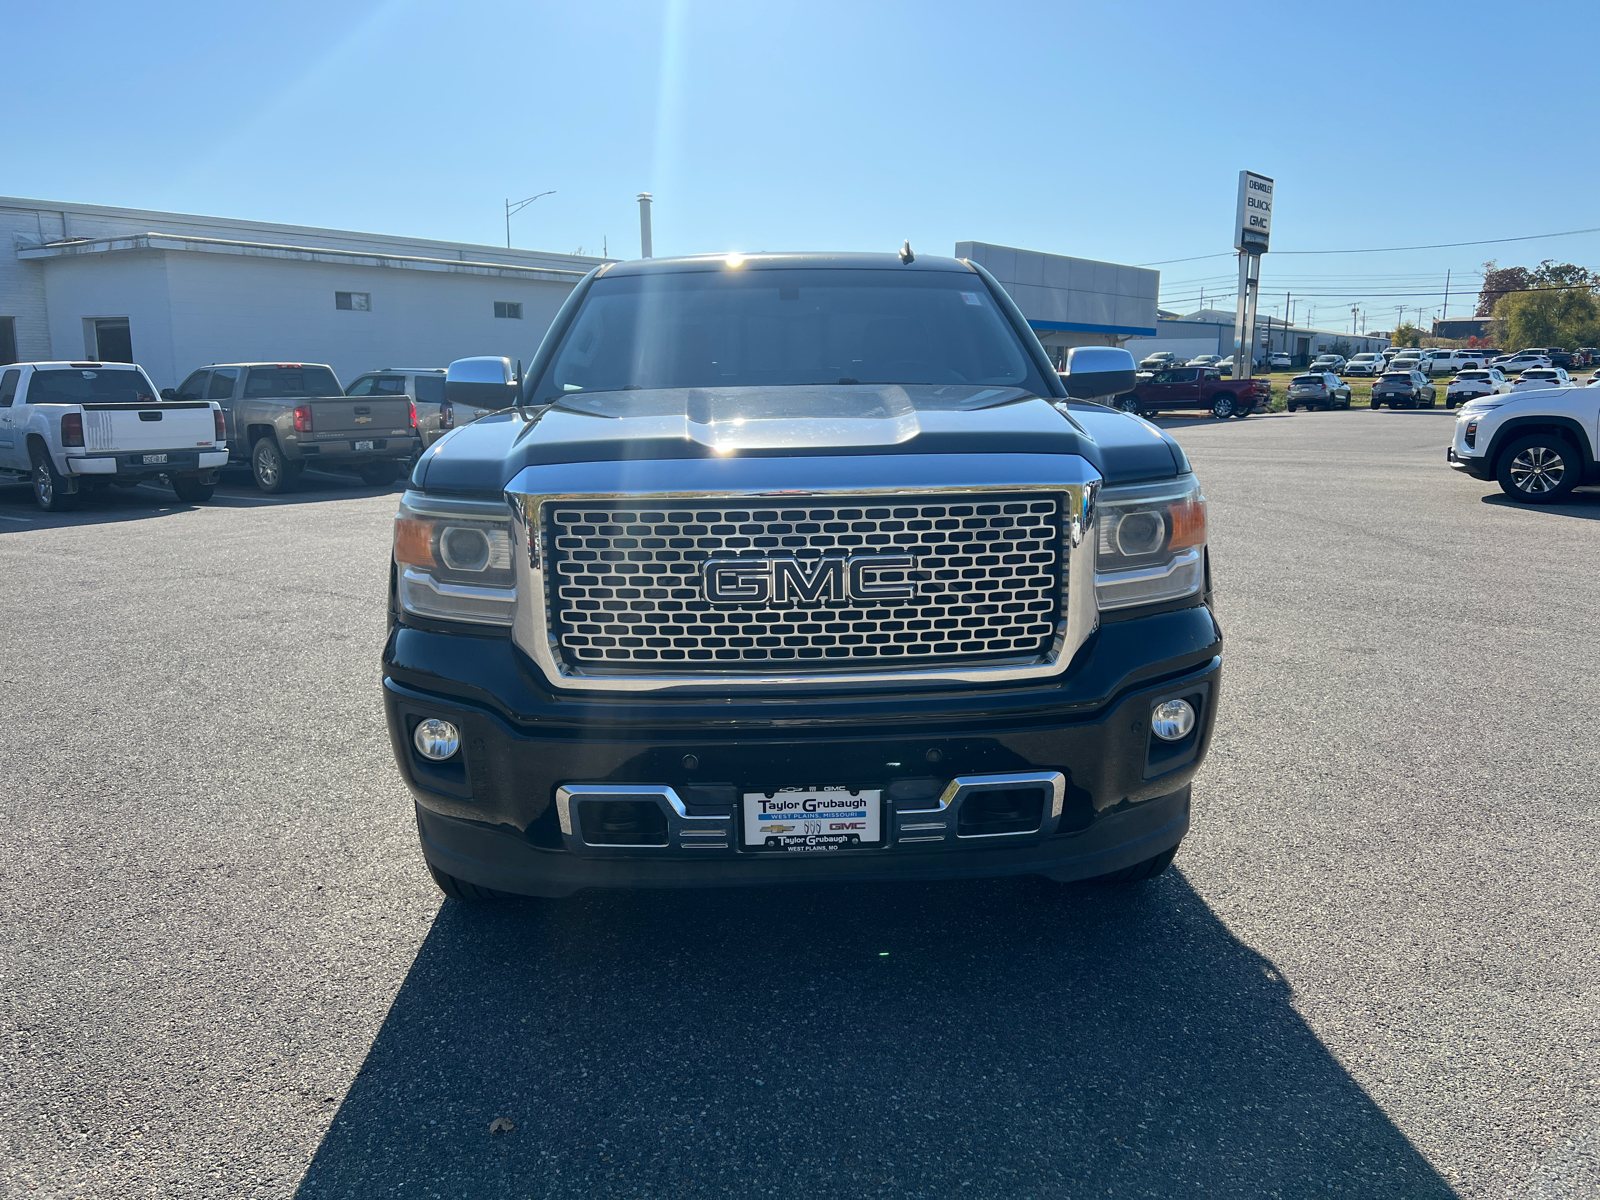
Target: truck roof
point(213, 366)
point(765, 261)
point(99, 366)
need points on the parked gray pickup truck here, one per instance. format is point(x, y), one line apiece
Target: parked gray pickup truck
point(281, 416)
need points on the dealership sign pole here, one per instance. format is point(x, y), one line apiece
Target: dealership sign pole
point(1252, 230)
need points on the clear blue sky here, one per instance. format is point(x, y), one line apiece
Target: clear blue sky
point(1103, 130)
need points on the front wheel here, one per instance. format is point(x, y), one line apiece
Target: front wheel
point(49, 485)
point(1539, 469)
point(1223, 406)
point(191, 491)
point(1130, 404)
point(376, 474)
point(1139, 872)
point(274, 473)
point(460, 889)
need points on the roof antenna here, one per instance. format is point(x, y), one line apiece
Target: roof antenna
point(905, 253)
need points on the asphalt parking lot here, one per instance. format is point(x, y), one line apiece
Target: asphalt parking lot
point(1372, 972)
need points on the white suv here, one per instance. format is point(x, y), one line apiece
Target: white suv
point(1538, 445)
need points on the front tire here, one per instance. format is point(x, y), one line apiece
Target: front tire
point(274, 473)
point(460, 889)
point(191, 491)
point(1130, 404)
point(1223, 406)
point(1539, 469)
point(1139, 872)
point(376, 474)
point(49, 485)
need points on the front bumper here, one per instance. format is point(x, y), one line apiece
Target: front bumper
point(1475, 465)
point(490, 816)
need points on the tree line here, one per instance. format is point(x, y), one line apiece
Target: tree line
point(1553, 304)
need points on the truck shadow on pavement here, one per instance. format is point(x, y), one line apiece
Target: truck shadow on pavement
point(237, 490)
point(987, 1038)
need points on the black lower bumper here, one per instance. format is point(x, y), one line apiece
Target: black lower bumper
point(489, 815)
point(500, 859)
point(1478, 468)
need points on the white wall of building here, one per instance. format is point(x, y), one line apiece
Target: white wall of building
point(133, 286)
point(215, 289)
point(272, 310)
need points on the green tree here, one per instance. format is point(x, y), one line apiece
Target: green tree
point(1406, 334)
point(1550, 316)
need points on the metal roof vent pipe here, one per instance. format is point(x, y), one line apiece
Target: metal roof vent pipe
point(645, 248)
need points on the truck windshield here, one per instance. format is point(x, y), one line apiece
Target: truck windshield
point(786, 326)
point(98, 385)
point(291, 381)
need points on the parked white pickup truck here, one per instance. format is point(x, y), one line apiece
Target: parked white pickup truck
point(65, 426)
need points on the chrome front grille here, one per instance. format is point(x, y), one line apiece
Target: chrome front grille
point(627, 583)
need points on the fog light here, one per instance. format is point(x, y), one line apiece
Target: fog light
point(438, 740)
point(1172, 721)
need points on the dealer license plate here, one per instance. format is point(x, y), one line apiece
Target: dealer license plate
point(151, 460)
point(363, 445)
point(812, 820)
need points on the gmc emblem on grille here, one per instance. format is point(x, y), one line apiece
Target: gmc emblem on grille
point(785, 581)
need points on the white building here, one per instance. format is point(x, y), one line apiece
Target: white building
point(1072, 301)
point(173, 292)
point(1210, 331)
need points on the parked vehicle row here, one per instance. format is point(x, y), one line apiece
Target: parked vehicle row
point(68, 427)
point(71, 427)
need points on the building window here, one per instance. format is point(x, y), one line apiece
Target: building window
point(353, 301)
point(506, 308)
point(8, 340)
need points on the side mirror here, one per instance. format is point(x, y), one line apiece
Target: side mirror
point(485, 382)
point(1095, 372)
point(169, 393)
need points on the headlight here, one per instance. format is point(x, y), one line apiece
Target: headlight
point(1475, 407)
point(1151, 545)
point(453, 562)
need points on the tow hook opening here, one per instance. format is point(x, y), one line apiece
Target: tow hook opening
point(1001, 810)
point(623, 823)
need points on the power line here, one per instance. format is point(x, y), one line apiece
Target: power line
point(1530, 237)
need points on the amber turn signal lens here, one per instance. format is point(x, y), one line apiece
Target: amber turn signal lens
point(413, 542)
point(1188, 524)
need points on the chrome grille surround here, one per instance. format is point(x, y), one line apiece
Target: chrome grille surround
point(629, 582)
point(1044, 493)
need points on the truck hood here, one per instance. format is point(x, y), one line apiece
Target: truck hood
point(789, 422)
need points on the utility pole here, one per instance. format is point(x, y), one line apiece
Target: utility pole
point(1354, 309)
point(1445, 313)
point(513, 209)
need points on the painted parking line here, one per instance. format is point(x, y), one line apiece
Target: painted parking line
point(24, 520)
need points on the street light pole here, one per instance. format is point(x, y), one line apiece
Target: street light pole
point(513, 209)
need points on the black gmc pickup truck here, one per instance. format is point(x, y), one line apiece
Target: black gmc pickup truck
point(788, 568)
